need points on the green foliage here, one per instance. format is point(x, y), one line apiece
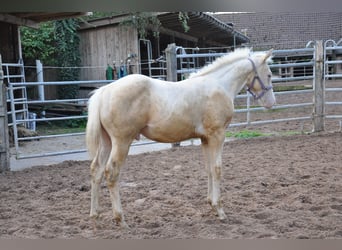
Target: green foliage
point(39, 44)
point(76, 123)
point(184, 18)
point(55, 44)
point(68, 56)
point(143, 21)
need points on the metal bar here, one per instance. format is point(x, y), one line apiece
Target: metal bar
point(182, 71)
point(49, 136)
point(333, 89)
point(12, 64)
point(304, 91)
point(53, 118)
point(271, 121)
point(19, 156)
point(13, 76)
point(55, 101)
point(61, 83)
point(333, 116)
point(333, 62)
point(200, 55)
point(299, 105)
point(294, 51)
point(333, 48)
point(288, 79)
point(333, 103)
point(286, 65)
point(333, 75)
point(14, 121)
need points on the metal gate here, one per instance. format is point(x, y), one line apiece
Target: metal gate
point(182, 72)
point(332, 71)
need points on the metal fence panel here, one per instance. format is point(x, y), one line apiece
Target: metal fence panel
point(277, 79)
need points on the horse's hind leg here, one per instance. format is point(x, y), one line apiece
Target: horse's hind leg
point(112, 173)
point(95, 183)
point(96, 171)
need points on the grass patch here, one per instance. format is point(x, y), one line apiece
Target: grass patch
point(244, 134)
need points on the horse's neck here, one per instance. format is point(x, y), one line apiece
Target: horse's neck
point(234, 80)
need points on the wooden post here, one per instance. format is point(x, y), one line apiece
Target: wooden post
point(171, 69)
point(4, 143)
point(319, 89)
point(171, 62)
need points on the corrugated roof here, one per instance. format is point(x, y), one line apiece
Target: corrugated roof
point(202, 26)
point(205, 26)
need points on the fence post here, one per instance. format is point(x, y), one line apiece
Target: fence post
point(4, 143)
point(40, 78)
point(171, 69)
point(171, 62)
point(319, 89)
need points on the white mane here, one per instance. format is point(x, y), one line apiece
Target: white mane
point(222, 61)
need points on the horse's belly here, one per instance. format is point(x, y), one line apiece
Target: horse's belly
point(168, 133)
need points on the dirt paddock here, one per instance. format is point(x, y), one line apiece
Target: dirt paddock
point(273, 187)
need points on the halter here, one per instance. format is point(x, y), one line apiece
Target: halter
point(262, 85)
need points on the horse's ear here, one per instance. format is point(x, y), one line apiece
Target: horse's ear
point(268, 54)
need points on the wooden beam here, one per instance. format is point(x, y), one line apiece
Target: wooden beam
point(115, 20)
point(19, 21)
point(177, 34)
point(4, 143)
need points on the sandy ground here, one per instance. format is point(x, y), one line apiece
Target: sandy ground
point(273, 187)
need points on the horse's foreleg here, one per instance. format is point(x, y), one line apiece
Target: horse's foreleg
point(206, 155)
point(215, 145)
point(112, 174)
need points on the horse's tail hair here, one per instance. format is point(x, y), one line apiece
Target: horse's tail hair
point(94, 127)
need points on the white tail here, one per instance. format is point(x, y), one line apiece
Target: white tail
point(94, 127)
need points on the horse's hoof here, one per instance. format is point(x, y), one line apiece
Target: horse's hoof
point(94, 216)
point(124, 225)
point(221, 215)
point(120, 221)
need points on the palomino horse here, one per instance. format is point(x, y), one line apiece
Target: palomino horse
point(198, 107)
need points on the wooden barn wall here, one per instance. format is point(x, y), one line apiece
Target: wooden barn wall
point(100, 47)
point(9, 49)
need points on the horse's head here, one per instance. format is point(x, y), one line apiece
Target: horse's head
point(259, 83)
